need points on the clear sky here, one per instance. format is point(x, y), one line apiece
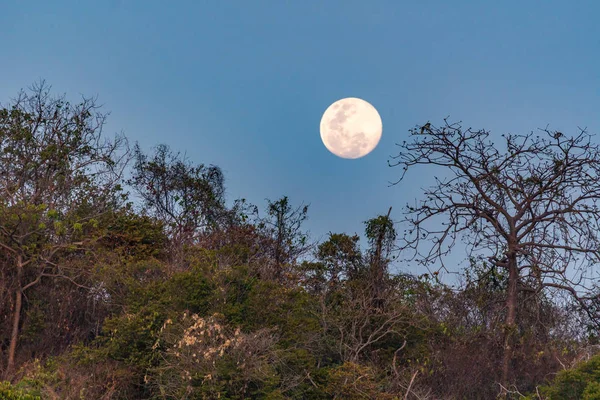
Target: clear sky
point(243, 84)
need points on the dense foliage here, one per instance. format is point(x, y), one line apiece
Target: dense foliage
point(181, 296)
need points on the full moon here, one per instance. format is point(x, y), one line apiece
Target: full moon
point(351, 128)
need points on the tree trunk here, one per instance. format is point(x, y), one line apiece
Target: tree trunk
point(511, 316)
point(14, 336)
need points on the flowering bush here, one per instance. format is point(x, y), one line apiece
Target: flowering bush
point(205, 358)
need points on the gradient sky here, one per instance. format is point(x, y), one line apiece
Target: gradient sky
point(243, 84)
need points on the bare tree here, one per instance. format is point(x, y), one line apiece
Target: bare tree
point(530, 208)
point(188, 198)
point(357, 325)
point(283, 224)
point(58, 177)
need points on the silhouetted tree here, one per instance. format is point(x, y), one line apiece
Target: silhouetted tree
point(283, 224)
point(188, 198)
point(529, 208)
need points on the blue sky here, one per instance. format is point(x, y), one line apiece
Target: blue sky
point(243, 84)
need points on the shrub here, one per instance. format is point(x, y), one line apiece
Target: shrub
point(10, 392)
point(581, 382)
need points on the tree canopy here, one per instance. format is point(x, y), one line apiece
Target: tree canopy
point(129, 275)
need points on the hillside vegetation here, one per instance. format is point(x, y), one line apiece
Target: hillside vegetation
point(127, 275)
